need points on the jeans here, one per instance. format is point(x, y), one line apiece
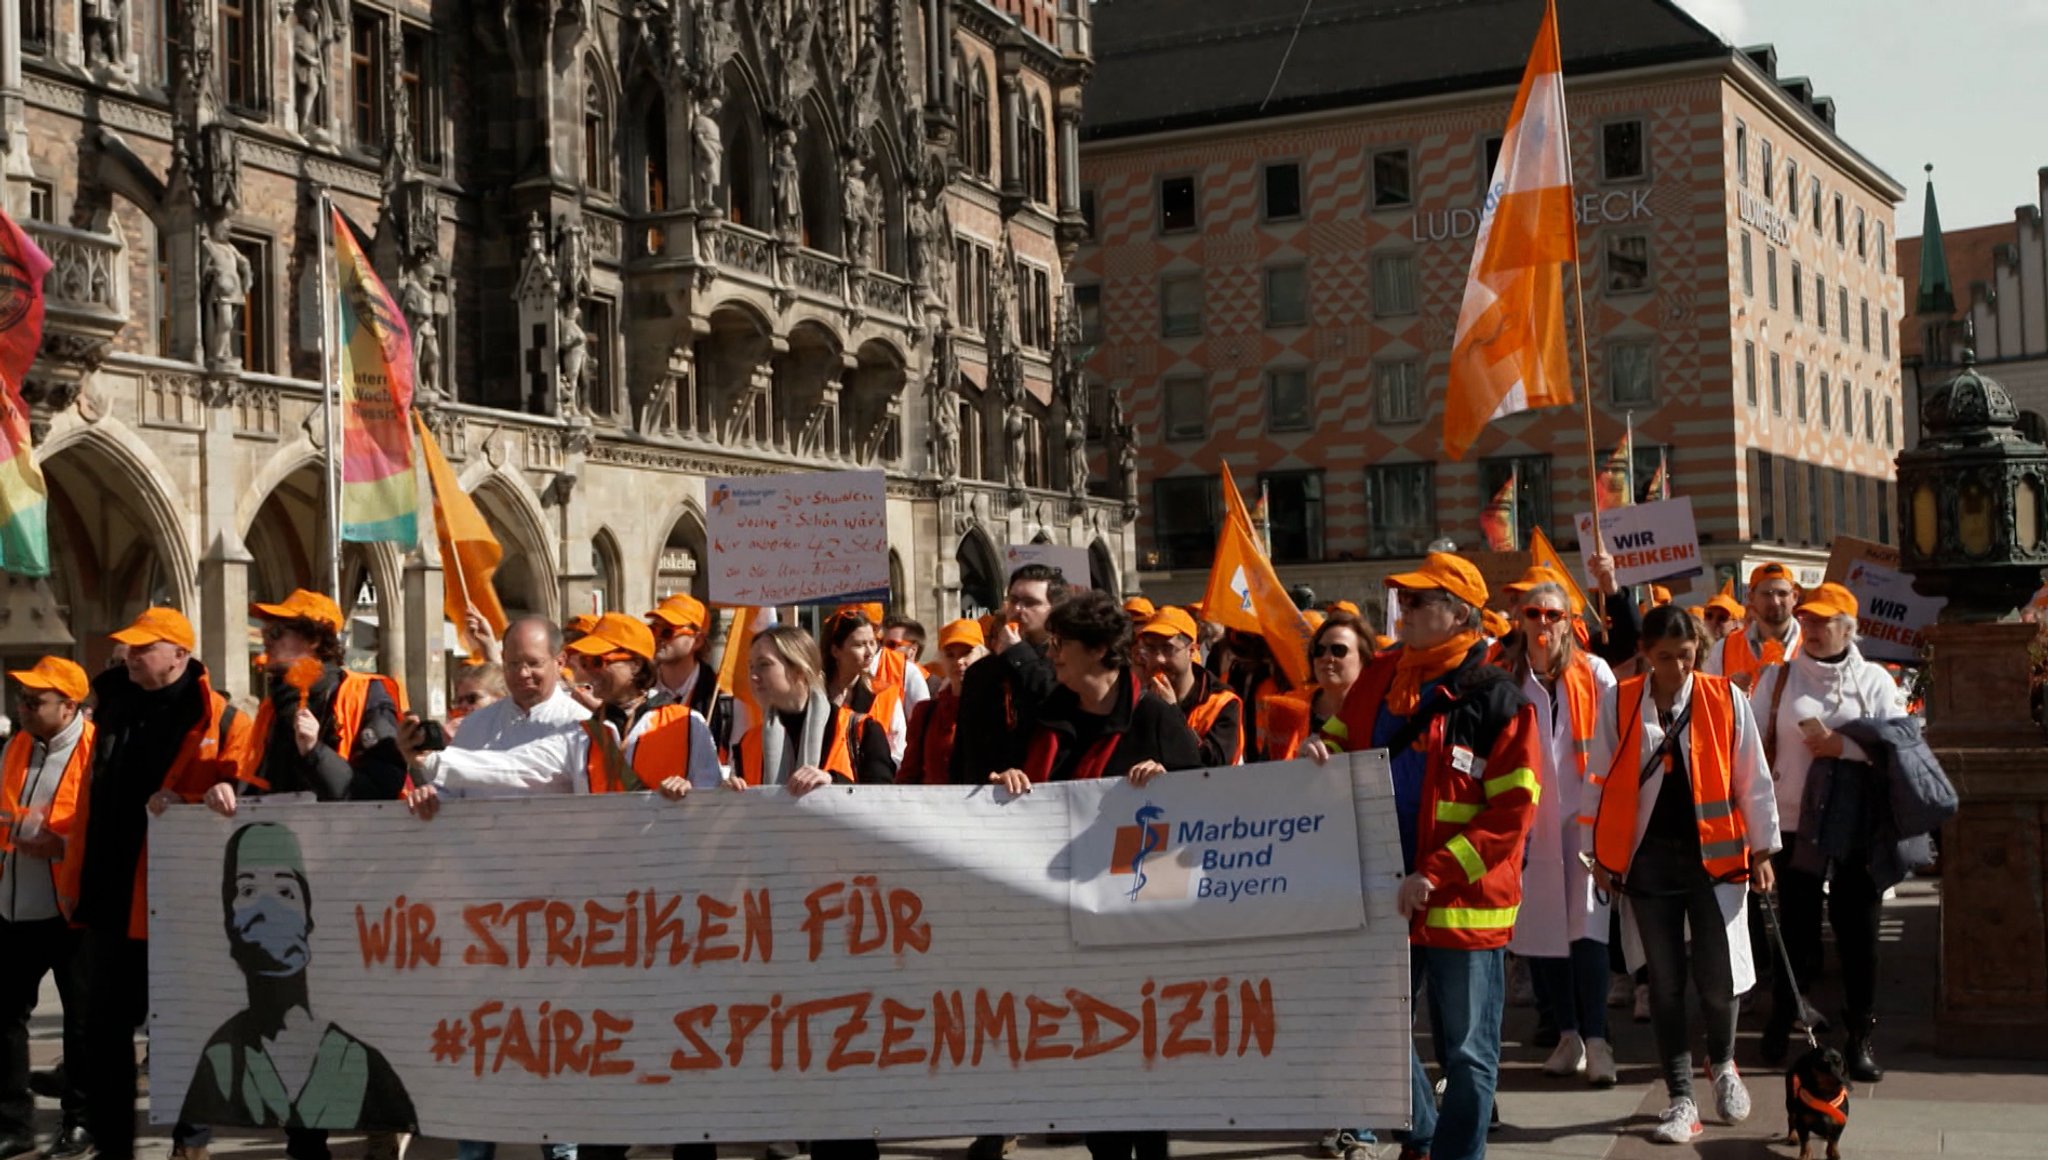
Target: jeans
point(485, 1150)
point(1853, 902)
point(1466, 992)
point(117, 974)
point(1662, 918)
point(1574, 989)
point(35, 949)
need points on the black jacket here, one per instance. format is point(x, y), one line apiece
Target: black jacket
point(1149, 729)
point(139, 734)
point(374, 770)
point(1879, 812)
point(1001, 698)
point(1224, 744)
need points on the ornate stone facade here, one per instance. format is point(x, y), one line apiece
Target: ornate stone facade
point(639, 244)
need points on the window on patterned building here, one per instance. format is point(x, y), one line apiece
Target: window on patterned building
point(1294, 515)
point(1176, 205)
point(1842, 312)
point(1884, 511)
point(1400, 509)
point(35, 27)
point(42, 202)
point(1862, 242)
point(1799, 391)
point(1763, 513)
point(1884, 254)
point(602, 397)
point(1888, 444)
point(1841, 231)
point(1631, 374)
point(1884, 331)
point(1180, 305)
point(1820, 303)
point(1187, 407)
point(1869, 417)
point(420, 71)
point(1393, 285)
point(1391, 184)
point(1813, 201)
point(1827, 406)
point(1742, 154)
point(1628, 263)
point(1771, 275)
point(1792, 188)
point(1866, 325)
point(1848, 409)
point(1088, 313)
point(1287, 296)
point(1397, 391)
point(1748, 264)
point(1035, 145)
point(367, 78)
point(1281, 188)
point(1798, 292)
point(1862, 527)
point(1532, 489)
point(1185, 512)
point(1290, 405)
point(1624, 155)
point(1815, 525)
point(597, 139)
point(1768, 161)
point(241, 57)
point(976, 132)
point(1749, 371)
point(1777, 388)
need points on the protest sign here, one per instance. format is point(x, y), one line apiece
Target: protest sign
point(1851, 550)
point(1071, 562)
point(872, 961)
point(1891, 617)
point(1153, 867)
point(805, 538)
point(1649, 541)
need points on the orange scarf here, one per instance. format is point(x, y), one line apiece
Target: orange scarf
point(1418, 667)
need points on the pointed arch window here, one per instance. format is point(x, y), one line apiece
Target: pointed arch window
point(1035, 145)
point(981, 157)
point(597, 136)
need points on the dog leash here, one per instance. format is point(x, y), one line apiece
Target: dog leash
point(1785, 961)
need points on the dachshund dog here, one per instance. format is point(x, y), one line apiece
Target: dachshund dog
point(1817, 1101)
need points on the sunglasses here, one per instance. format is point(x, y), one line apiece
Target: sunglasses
point(1546, 615)
point(1339, 651)
point(473, 700)
point(1717, 618)
point(1419, 599)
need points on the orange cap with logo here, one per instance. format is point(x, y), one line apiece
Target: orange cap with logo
point(616, 632)
point(56, 674)
point(1830, 600)
point(962, 632)
point(1169, 622)
point(872, 612)
point(682, 611)
point(1772, 570)
point(303, 605)
point(1139, 609)
point(157, 624)
point(1444, 572)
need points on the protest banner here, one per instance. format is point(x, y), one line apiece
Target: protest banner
point(1650, 542)
point(1851, 550)
point(1071, 562)
point(812, 537)
point(1891, 618)
point(872, 961)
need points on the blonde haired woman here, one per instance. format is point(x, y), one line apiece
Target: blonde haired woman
point(805, 741)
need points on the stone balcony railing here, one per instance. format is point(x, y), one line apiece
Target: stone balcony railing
point(795, 272)
point(85, 294)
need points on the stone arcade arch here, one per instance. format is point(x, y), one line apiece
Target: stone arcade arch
point(981, 573)
point(527, 580)
point(680, 565)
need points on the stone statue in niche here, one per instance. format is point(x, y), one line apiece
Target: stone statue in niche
point(106, 36)
point(219, 171)
point(789, 189)
point(1077, 457)
point(707, 157)
point(862, 209)
point(572, 259)
point(945, 403)
point(1014, 430)
point(1126, 440)
point(312, 32)
point(572, 345)
point(931, 246)
point(425, 303)
point(224, 285)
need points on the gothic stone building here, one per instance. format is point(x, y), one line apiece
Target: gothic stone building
point(639, 245)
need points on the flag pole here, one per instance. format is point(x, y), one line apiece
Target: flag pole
point(1515, 505)
point(329, 387)
point(1579, 303)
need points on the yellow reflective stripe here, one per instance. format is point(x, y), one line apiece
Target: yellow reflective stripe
point(1475, 867)
point(1523, 778)
point(1470, 917)
point(1457, 813)
point(1335, 727)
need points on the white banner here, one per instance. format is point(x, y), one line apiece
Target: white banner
point(1191, 859)
point(812, 537)
point(1891, 618)
point(874, 961)
point(1649, 541)
point(1071, 562)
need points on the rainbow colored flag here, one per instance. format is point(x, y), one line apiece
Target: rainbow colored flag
point(24, 499)
point(1497, 518)
point(379, 487)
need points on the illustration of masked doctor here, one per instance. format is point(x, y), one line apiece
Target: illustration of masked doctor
point(276, 1064)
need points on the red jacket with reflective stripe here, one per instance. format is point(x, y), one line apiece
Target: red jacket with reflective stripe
point(1479, 794)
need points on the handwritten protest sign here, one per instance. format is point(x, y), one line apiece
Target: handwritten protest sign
point(1071, 562)
point(1649, 541)
point(1891, 617)
point(805, 538)
point(870, 961)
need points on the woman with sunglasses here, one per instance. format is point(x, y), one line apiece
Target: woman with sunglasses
point(851, 646)
point(1336, 655)
point(1679, 816)
point(475, 687)
point(1562, 926)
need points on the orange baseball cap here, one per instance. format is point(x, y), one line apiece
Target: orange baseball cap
point(1830, 600)
point(1381, 642)
point(582, 622)
point(616, 632)
point(1169, 622)
point(872, 611)
point(1659, 596)
point(1315, 618)
point(1727, 604)
point(962, 632)
point(1444, 572)
point(158, 624)
point(57, 675)
point(303, 605)
point(1139, 608)
point(1495, 623)
point(1772, 570)
point(682, 611)
point(1345, 606)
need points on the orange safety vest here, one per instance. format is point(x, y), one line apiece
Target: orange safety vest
point(883, 707)
point(889, 671)
point(63, 808)
point(1202, 718)
point(1724, 838)
point(351, 697)
point(663, 748)
point(1738, 659)
point(605, 767)
point(1582, 701)
point(841, 734)
point(212, 753)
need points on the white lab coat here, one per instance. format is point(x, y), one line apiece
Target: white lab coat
point(1751, 784)
point(1559, 904)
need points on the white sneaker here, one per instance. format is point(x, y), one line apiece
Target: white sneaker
point(1680, 1123)
point(1620, 991)
point(1599, 1063)
point(1642, 1002)
point(1731, 1098)
point(1568, 1057)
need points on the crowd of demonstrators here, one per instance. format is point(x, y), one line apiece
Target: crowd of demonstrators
point(1573, 781)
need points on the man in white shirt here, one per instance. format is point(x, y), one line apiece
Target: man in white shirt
point(533, 741)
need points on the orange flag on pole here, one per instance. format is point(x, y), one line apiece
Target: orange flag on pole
point(469, 552)
point(1509, 353)
point(1544, 555)
point(1245, 593)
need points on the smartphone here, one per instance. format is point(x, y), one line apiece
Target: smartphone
point(1812, 727)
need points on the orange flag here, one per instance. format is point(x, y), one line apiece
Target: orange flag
point(469, 552)
point(1497, 518)
point(1245, 593)
point(1509, 354)
point(1544, 555)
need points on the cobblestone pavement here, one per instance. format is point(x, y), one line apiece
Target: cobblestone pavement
point(1927, 1105)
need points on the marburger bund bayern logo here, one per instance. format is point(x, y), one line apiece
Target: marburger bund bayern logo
point(1234, 855)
